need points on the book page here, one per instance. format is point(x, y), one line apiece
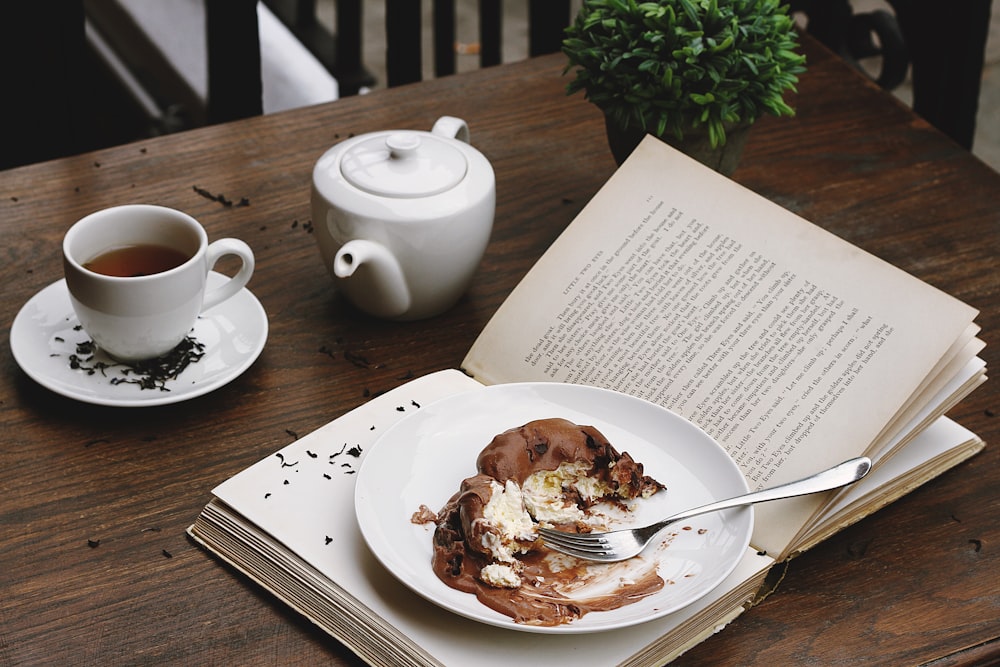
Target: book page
point(936, 449)
point(790, 346)
point(951, 382)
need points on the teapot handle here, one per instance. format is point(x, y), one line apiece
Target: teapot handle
point(451, 127)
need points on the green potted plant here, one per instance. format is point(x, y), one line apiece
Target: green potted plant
point(696, 73)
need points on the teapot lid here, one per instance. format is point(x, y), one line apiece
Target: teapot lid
point(404, 165)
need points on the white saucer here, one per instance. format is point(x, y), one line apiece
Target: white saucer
point(46, 332)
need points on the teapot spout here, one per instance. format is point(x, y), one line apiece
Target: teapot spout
point(372, 278)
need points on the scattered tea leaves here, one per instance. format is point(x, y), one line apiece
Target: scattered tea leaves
point(357, 359)
point(147, 374)
point(221, 198)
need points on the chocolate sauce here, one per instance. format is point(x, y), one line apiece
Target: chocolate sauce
point(540, 599)
point(546, 576)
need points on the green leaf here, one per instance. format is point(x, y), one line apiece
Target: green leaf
point(691, 12)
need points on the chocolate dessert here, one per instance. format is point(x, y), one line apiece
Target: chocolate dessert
point(549, 471)
point(563, 469)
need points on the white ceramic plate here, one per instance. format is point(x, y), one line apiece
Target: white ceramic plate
point(424, 458)
point(46, 332)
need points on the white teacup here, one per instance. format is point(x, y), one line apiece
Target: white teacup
point(134, 317)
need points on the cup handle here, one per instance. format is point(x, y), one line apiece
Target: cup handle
point(215, 251)
point(451, 127)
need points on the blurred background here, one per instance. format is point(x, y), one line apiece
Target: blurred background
point(143, 69)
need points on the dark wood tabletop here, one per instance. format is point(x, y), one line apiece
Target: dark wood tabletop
point(95, 566)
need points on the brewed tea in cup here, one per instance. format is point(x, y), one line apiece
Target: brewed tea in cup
point(136, 276)
point(142, 259)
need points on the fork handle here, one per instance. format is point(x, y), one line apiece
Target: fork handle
point(831, 478)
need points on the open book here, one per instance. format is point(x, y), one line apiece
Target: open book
point(792, 348)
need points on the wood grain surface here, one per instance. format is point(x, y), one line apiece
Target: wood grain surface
point(95, 566)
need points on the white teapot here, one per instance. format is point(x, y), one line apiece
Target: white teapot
point(402, 218)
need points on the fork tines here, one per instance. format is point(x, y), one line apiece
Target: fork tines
point(576, 543)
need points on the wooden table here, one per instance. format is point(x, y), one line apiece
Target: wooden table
point(95, 567)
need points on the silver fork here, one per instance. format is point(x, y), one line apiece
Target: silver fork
point(623, 544)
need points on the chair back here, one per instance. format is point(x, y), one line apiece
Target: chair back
point(547, 20)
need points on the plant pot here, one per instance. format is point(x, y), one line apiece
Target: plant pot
point(723, 159)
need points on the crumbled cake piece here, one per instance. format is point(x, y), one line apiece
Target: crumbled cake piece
point(548, 471)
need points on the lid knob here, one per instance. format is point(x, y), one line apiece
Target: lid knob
point(402, 145)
